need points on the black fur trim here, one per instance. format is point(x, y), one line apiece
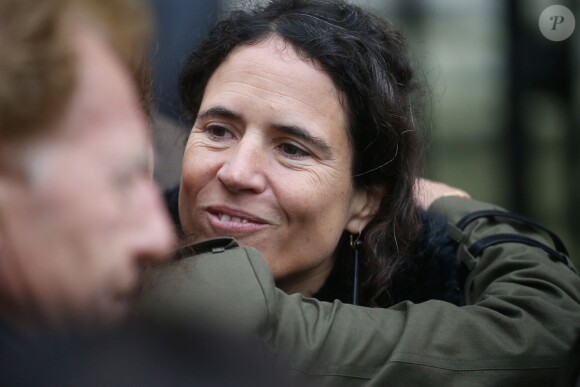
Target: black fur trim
point(432, 273)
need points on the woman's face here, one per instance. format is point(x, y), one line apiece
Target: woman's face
point(268, 162)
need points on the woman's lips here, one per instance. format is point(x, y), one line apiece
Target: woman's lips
point(229, 221)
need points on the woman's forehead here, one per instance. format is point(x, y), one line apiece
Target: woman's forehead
point(273, 76)
point(280, 61)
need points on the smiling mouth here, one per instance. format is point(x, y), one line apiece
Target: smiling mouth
point(233, 222)
point(227, 218)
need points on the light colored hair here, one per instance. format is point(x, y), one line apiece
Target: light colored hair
point(37, 70)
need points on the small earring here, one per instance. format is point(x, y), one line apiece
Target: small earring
point(355, 245)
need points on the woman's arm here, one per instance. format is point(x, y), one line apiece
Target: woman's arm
point(521, 321)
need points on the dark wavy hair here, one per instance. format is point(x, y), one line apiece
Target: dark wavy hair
point(367, 60)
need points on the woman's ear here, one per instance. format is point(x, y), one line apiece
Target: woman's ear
point(364, 207)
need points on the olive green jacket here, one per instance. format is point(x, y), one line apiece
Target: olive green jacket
point(519, 326)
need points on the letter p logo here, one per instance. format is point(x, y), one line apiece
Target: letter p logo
point(557, 23)
point(557, 20)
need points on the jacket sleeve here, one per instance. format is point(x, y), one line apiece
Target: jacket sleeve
point(519, 326)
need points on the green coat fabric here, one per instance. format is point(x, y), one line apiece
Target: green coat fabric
point(519, 327)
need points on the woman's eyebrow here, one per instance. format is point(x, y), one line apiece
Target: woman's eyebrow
point(304, 135)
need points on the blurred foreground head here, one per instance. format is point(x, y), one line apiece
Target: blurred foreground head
point(78, 210)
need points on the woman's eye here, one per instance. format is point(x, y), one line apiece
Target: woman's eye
point(218, 132)
point(293, 151)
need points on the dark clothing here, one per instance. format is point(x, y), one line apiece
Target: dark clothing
point(432, 273)
point(140, 353)
point(10, 339)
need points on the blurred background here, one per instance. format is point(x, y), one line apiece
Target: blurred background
point(501, 98)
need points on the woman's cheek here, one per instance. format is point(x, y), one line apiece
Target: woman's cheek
point(199, 166)
point(325, 184)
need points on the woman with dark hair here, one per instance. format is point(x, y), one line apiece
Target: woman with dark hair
point(306, 146)
point(368, 76)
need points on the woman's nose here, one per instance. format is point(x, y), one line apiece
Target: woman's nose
point(244, 168)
